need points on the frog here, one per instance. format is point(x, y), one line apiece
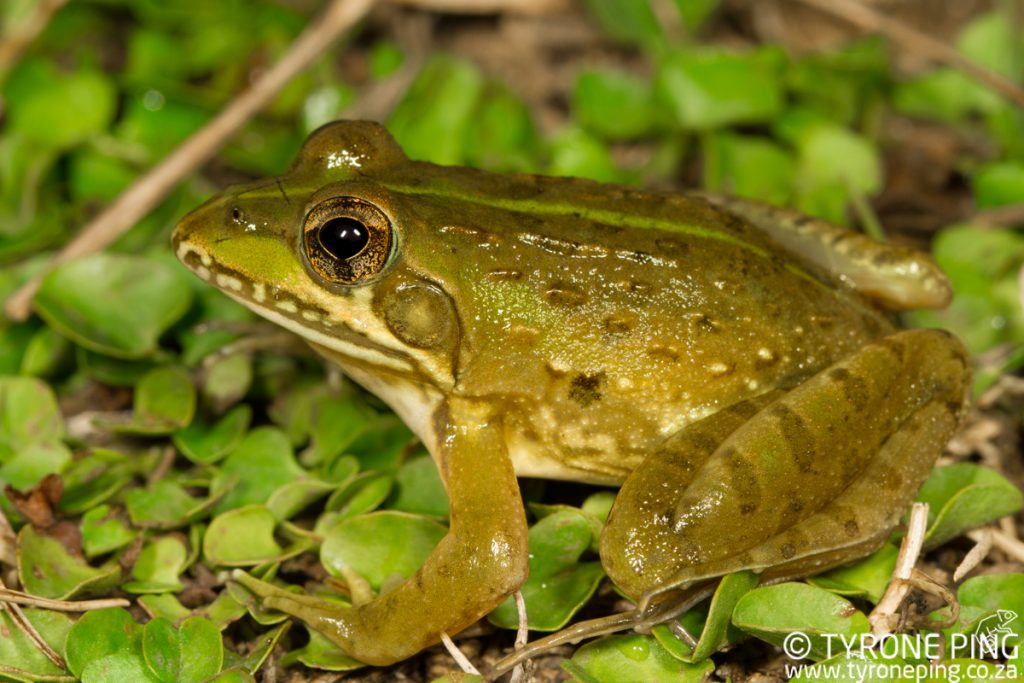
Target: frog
point(737, 370)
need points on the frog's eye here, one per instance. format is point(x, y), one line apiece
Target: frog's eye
point(346, 240)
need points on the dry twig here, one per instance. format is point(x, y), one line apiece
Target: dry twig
point(8, 542)
point(1008, 544)
point(521, 673)
point(139, 199)
point(911, 39)
point(26, 32)
point(1000, 217)
point(458, 656)
point(982, 546)
point(883, 617)
point(26, 627)
point(488, 6)
point(12, 597)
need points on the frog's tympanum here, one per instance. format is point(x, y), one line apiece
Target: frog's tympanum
point(735, 368)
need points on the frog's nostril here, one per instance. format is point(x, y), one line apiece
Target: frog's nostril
point(236, 214)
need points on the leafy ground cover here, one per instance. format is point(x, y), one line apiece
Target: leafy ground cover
point(150, 446)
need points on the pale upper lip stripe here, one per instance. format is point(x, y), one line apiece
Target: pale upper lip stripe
point(305, 317)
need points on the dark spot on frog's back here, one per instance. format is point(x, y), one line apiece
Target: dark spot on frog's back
point(855, 389)
point(851, 527)
point(797, 436)
point(585, 389)
point(743, 476)
point(618, 323)
point(564, 294)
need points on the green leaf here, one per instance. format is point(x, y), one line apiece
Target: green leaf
point(58, 110)
point(336, 422)
point(261, 464)
point(99, 633)
point(628, 21)
point(695, 12)
point(161, 649)
point(362, 493)
point(258, 652)
point(419, 490)
point(991, 606)
point(205, 444)
point(164, 606)
point(47, 569)
point(296, 496)
point(429, 121)
point(94, 478)
point(28, 415)
point(982, 265)
point(577, 154)
point(772, 612)
point(104, 532)
point(962, 496)
point(165, 402)
point(20, 659)
point(320, 653)
point(114, 303)
point(867, 578)
point(45, 353)
point(242, 537)
point(999, 184)
point(500, 135)
point(713, 636)
point(747, 166)
point(233, 676)
point(632, 658)
point(614, 105)
point(558, 584)
point(385, 58)
point(32, 463)
point(227, 381)
point(379, 545)
point(158, 567)
point(202, 650)
point(833, 163)
point(991, 41)
point(706, 89)
point(117, 668)
point(163, 504)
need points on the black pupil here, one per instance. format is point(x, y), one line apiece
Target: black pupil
point(343, 237)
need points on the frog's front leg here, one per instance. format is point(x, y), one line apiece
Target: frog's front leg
point(791, 482)
point(481, 560)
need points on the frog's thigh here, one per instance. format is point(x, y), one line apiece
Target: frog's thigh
point(896, 277)
point(481, 560)
point(812, 477)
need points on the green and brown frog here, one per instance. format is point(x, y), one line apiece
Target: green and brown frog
point(735, 368)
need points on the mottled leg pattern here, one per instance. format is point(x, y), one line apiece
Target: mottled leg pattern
point(790, 483)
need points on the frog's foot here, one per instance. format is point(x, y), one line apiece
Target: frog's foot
point(791, 483)
point(273, 597)
point(481, 560)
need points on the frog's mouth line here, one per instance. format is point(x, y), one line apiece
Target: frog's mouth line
point(312, 325)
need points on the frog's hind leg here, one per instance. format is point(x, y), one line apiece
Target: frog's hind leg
point(812, 477)
point(895, 277)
